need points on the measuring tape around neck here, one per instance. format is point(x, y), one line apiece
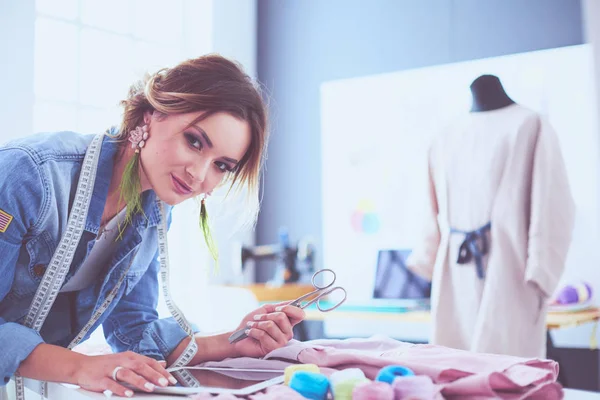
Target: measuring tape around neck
point(163, 254)
point(61, 260)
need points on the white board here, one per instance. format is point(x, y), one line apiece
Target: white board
point(376, 131)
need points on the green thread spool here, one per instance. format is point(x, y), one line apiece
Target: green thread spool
point(343, 390)
point(343, 382)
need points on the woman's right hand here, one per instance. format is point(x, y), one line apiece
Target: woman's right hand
point(95, 373)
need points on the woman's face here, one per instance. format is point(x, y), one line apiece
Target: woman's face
point(179, 163)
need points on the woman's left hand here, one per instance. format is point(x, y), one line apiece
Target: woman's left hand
point(268, 328)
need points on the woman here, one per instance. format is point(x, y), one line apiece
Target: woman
point(185, 131)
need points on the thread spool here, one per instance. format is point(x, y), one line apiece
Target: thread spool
point(373, 390)
point(410, 387)
point(391, 372)
point(346, 374)
point(579, 292)
point(313, 386)
point(343, 382)
point(291, 369)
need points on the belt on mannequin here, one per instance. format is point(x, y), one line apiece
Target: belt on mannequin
point(474, 246)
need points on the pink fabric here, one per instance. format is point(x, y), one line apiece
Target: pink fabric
point(456, 373)
point(414, 387)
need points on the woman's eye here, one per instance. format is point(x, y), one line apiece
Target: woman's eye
point(223, 167)
point(193, 141)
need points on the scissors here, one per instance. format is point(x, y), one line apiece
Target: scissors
point(306, 300)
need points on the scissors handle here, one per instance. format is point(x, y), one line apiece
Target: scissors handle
point(319, 272)
point(304, 301)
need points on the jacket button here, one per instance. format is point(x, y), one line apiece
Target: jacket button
point(39, 269)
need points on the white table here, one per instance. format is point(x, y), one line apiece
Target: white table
point(571, 394)
point(58, 391)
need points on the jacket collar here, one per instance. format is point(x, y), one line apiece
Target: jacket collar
point(106, 161)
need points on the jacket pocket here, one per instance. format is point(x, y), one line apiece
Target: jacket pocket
point(31, 266)
point(40, 251)
point(132, 279)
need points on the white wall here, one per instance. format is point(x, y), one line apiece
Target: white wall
point(234, 31)
point(591, 19)
point(16, 68)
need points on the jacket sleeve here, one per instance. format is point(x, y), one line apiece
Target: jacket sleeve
point(422, 259)
point(552, 214)
point(134, 324)
point(22, 201)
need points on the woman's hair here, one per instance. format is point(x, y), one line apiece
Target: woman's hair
point(210, 84)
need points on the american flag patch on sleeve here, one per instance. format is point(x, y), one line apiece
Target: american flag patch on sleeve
point(5, 220)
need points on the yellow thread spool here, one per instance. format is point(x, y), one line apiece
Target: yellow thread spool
point(289, 371)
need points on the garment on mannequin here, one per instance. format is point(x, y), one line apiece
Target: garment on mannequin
point(494, 243)
point(488, 94)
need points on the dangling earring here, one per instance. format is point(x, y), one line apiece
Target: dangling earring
point(204, 225)
point(131, 186)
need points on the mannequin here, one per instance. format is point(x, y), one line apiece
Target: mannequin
point(488, 94)
point(494, 242)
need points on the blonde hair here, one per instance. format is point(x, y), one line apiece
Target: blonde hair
point(208, 84)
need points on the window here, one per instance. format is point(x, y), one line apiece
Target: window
point(87, 53)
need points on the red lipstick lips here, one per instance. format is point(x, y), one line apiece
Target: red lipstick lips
point(180, 186)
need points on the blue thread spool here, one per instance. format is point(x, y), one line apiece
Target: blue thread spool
point(391, 372)
point(311, 385)
point(290, 370)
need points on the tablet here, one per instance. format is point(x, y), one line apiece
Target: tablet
point(236, 381)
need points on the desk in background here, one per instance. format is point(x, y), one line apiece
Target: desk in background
point(269, 294)
point(554, 320)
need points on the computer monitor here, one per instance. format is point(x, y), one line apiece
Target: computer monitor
point(393, 280)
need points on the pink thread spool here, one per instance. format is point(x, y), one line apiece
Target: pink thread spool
point(373, 391)
point(579, 292)
point(413, 387)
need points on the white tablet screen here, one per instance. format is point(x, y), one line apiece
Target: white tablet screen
point(234, 381)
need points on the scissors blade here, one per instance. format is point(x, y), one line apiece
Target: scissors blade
point(237, 336)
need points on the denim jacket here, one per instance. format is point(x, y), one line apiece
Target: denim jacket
point(38, 180)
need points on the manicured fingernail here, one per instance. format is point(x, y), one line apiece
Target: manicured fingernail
point(279, 308)
point(162, 362)
point(128, 393)
point(163, 381)
point(250, 323)
point(108, 393)
point(149, 386)
point(258, 316)
point(247, 331)
point(173, 380)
